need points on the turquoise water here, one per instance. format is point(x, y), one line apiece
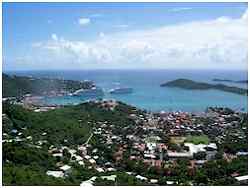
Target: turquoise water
point(147, 93)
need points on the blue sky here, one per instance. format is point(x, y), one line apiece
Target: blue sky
point(124, 35)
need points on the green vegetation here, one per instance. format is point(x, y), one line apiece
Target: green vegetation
point(192, 85)
point(71, 123)
point(17, 86)
point(26, 164)
point(122, 179)
point(202, 139)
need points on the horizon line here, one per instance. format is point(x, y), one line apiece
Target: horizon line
point(132, 69)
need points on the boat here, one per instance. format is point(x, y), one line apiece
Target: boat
point(92, 92)
point(124, 90)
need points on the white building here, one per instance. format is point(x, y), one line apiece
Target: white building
point(242, 178)
point(66, 168)
point(92, 161)
point(100, 169)
point(110, 178)
point(141, 177)
point(153, 181)
point(89, 182)
point(56, 174)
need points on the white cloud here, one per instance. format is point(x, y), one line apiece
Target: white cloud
point(180, 9)
point(83, 21)
point(54, 37)
point(218, 43)
point(121, 26)
point(245, 16)
point(101, 35)
point(96, 15)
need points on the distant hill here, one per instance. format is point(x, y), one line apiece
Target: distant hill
point(233, 81)
point(14, 86)
point(192, 85)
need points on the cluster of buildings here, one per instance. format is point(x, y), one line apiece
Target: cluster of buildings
point(151, 140)
point(158, 140)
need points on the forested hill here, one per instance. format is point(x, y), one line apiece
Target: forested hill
point(29, 135)
point(14, 86)
point(192, 85)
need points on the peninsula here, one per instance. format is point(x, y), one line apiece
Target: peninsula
point(16, 86)
point(193, 85)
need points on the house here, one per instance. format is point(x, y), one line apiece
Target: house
point(83, 150)
point(89, 182)
point(72, 151)
point(199, 162)
point(14, 131)
point(77, 158)
point(81, 163)
point(29, 138)
point(87, 157)
point(110, 178)
point(153, 181)
point(111, 169)
point(242, 179)
point(141, 178)
point(56, 174)
point(100, 169)
point(66, 169)
point(57, 155)
point(241, 153)
point(92, 161)
point(170, 182)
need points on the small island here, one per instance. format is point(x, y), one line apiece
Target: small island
point(193, 85)
point(232, 81)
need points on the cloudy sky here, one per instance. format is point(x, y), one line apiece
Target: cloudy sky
point(124, 36)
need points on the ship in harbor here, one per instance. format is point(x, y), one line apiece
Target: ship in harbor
point(92, 92)
point(124, 90)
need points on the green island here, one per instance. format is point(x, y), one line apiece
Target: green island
point(17, 86)
point(193, 85)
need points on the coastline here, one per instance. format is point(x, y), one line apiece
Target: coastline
point(147, 94)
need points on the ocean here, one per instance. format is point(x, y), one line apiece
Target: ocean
point(147, 93)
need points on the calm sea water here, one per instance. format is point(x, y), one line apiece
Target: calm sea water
point(147, 91)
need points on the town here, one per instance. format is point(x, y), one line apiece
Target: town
point(149, 148)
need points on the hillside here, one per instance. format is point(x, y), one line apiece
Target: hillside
point(28, 136)
point(192, 85)
point(14, 86)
